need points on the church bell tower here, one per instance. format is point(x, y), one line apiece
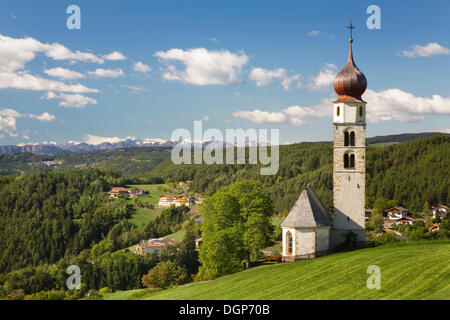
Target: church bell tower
point(349, 156)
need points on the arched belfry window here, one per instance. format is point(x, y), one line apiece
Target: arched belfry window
point(349, 160)
point(352, 161)
point(289, 243)
point(346, 139)
point(352, 138)
point(338, 111)
point(360, 111)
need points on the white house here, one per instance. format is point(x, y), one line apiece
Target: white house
point(440, 210)
point(306, 230)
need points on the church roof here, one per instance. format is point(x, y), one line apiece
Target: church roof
point(350, 83)
point(308, 212)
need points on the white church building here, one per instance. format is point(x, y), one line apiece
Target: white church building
point(309, 230)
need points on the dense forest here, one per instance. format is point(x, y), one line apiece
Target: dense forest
point(129, 161)
point(411, 173)
point(49, 221)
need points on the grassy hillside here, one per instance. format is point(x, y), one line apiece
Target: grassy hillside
point(418, 270)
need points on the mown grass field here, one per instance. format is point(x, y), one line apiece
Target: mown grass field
point(416, 270)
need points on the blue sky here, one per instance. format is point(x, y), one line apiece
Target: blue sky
point(235, 64)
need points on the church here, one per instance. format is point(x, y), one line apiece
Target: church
point(309, 230)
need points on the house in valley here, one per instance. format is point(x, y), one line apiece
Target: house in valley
point(439, 210)
point(397, 213)
point(176, 200)
point(137, 193)
point(118, 192)
point(153, 246)
point(434, 227)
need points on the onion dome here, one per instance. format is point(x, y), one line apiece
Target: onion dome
point(350, 83)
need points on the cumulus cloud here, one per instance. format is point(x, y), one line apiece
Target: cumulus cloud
point(324, 79)
point(96, 140)
point(70, 100)
point(140, 67)
point(263, 77)
point(8, 120)
point(428, 50)
point(395, 104)
point(386, 105)
point(115, 56)
point(106, 73)
point(204, 67)
point(27, 81)
point(44, 117)
point(65, 74)
point(259, 116)
point(15, 53)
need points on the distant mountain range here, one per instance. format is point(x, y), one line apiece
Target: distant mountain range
point(73, 147)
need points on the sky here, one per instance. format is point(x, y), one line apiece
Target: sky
point(145, 68)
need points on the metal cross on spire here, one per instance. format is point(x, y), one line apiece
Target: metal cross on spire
point(351, 27)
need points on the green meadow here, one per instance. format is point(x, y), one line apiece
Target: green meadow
point(415, 270)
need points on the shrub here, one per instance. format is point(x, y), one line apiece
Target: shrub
point(164, 275)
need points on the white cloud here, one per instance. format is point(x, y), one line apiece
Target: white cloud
point(395, 104)
point(44, 117)
point(204, 67)
point(286, 83)
point(96, 140)
point(64, 73)
point(70, 100)
point(259, 116)
point(140, 67)
point(263, 77)
point(431, 49)
point(115, 56)
point(8, 120)
point(317, 33)
point(386, 105)
point(15, 53)
point(134, 88)
point(324, 79)
point(106, 73)
point(205, 118)
point(75, 101)
point(27, 81)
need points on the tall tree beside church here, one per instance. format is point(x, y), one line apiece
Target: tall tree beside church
point(236, 227)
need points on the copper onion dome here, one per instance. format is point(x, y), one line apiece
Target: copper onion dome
point(350, 83)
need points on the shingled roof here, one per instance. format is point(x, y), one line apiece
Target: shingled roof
point(308, 212)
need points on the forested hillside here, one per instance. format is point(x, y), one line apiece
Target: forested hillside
point(411, 173)
point(127, 160)
point(46, 216)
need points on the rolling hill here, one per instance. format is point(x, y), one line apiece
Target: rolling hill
point(417, 270)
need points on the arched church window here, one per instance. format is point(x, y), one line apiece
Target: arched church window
point(352, 161)
point(338, 111)
point(346, 139)
point(352, 138)
point(346, 161)
point(360, 111)
point(289, 242)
